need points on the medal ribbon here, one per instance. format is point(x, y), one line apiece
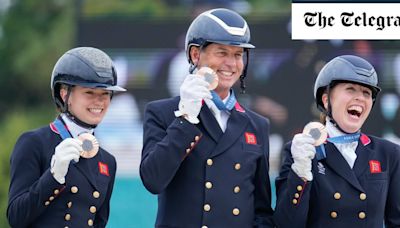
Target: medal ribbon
point(230, 103)
point(348, 138)
point(64, 133)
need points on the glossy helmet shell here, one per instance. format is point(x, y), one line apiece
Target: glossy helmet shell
point(222, 26)
point(346, 68)
point(86, 67)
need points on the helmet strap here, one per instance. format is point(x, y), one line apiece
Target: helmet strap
point(244, 74)
point(64, 105)
point(78, 121)
point(192, 67)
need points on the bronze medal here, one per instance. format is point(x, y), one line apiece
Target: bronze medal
point(209, 76)
point(317, 131)
point(90, 145)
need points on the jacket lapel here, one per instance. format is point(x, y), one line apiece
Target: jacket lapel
point(363, 155)
point(339, 165)
point(237, 122)
point(210, 124)
point(84, 166)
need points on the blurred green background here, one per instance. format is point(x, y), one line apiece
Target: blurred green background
point(35, 33)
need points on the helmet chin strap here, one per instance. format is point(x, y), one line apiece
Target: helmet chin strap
point(244, 73)
point(64, 105)
point(76, 120)
point(72, 117)
point(337, 125)
point(192, 67)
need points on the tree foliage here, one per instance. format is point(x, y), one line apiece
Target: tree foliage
point(35, 34)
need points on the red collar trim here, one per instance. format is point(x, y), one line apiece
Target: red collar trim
point(365, 140)
point(239, 108)
point(53, 128)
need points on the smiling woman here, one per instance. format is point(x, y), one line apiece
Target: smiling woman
point(350, 104)
point(346, 87)
point(87, 103)
point(59, 175)
point(362, 169)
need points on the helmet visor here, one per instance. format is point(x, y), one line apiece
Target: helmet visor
point(101, 86)
point(232, 43)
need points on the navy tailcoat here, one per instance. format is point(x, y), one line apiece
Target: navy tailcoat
point(36, 199)
point(205, 177)
point(366, 196)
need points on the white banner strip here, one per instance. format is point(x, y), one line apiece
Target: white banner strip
point(346, 21)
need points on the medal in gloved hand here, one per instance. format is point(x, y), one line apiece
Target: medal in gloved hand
point(90, 145)
point(209, 76)
point(317, 131)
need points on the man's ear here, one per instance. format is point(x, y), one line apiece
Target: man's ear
point(194, 54)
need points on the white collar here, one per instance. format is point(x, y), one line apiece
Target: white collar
point(227, 97)
point(348, 150)
point(332, 130)
point(74, 128)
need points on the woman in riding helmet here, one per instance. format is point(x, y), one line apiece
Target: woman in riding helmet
point(351, 179)
point(60, 177)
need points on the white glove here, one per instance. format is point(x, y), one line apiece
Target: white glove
point(193, 90)
point(69, 149)
point(303, 151)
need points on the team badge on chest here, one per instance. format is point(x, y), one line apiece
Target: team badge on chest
point(375, 166)
point(103, 169)
point(250, 138)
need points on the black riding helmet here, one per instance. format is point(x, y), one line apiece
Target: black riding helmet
point(84, 66)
